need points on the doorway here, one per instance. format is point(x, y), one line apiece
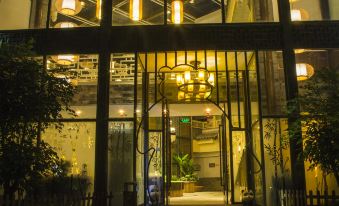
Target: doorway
point(199, 136)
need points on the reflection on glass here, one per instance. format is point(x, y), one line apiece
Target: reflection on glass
point(82, 72)
point(75, 145)
point(177, 11)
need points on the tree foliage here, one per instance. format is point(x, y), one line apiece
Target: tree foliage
point(319, 105)
point(30, 99)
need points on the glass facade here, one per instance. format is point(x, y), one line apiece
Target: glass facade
point(224, 107)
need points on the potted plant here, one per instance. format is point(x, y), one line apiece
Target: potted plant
point(186, 169)
point(177, 187)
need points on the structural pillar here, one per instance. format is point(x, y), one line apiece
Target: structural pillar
point(101, 143)
point(291, 86)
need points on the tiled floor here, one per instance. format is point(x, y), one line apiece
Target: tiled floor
point(199, 199)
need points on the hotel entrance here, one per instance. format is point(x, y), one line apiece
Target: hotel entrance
point(198, 128)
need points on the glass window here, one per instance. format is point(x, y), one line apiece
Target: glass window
point(75, 13)
point(75, 144)
point(277, 158)
point(14, 14)
point(238, 11)
point(122, 85)
point(272, 82)
point(82, 71)
point(309, 63)
point(311, 10)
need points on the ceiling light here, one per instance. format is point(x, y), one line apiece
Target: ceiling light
point(135, 10)
point(177, 11)
point(98, 10)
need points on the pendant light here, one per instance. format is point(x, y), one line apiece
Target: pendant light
point(68, 7)
point(304, 71)
point(98, 10)
point(177, 11)
point(135, 10)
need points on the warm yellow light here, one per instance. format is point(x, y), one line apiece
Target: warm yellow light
point(68, 7)
point(211, 79)
point(135, 10)
point(68, 4)
point(295, 15)
point(201, 75)
point(202, 88)
point(98, 11)
point(65, 24)
point(177, 11)
point(304, 71)
point(181, 95)
point(66, 59)
point(187, 76)
point(301, 70)
point(190, 87)
point(179, 79)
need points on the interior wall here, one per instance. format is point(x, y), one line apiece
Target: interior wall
point(14, 14)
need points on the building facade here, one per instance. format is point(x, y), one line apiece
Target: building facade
point(159, 79)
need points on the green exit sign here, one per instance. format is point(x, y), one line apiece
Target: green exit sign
point(185, 120)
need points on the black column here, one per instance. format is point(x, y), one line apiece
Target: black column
point(101, 143)
point(291, 86)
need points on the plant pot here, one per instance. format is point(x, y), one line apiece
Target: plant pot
point(177, 189)
point(189, 187)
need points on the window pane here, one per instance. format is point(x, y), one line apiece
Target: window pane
point(122, 85)
point(75, 144)
point(311, 10)
point(14, 14)
point(238, 11)
point(120, 158)
point(82, 72)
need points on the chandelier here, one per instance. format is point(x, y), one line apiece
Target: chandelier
point(194, 83)
point(68, 7)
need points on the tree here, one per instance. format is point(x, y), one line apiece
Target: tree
point(319, 103)
point(31, 98)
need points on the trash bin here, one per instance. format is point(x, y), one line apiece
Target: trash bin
point(248, 198)
point(130, 194)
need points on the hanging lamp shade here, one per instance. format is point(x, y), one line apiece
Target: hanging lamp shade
point(177, 11)
point(68, 7)
point(135, 10)
point(98, 10)
point(304, 71)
